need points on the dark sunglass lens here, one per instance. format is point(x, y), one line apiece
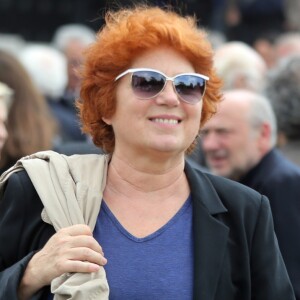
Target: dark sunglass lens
point(190, 88)
point(147, 84)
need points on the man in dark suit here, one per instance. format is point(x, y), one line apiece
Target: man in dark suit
point(239, 143)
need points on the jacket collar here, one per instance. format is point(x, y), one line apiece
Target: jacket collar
point(210, 235)
point(202, 190)
point(261, 170)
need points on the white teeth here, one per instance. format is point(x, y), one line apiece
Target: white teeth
point(166, 121)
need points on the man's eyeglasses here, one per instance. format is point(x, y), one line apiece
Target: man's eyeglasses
point(148, 83)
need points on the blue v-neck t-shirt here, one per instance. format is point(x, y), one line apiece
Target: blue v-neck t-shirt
point(158, 266)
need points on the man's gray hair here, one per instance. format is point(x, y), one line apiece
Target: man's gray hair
point(69, 32)
point(240, 67)
point(261, 111)
point(47, 67)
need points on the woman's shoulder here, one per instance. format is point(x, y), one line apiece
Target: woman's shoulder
point(19, 188)
point(232, 195)
point(19, 178)
point(236, 196)
point(227, 185)
point(223, 186)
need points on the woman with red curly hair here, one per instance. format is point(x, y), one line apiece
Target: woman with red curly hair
point(169, 231)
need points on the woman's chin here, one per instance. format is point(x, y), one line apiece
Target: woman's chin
point(168, 148)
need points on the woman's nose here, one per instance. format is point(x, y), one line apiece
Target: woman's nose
point(168, 96)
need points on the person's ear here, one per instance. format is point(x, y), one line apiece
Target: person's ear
point(265, 137)
point(106, 120)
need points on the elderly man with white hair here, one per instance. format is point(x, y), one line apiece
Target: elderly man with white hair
point(72, 40)
point(239, 143)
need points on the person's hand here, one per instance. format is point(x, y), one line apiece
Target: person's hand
point(71, 249)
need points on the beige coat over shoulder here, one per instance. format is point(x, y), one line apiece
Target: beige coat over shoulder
point(71, 189)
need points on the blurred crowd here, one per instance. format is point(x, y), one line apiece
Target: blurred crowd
point(253, 41)
point(253, 139)
point(44, 81)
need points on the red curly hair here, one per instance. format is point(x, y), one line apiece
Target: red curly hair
point(128, 33)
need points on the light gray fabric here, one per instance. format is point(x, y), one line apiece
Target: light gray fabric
point(71, 189)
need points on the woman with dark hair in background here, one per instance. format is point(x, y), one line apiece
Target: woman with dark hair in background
point(30, 125)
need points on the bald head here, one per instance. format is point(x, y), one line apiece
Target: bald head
point(240, 134)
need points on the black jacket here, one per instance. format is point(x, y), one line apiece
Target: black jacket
point(279, 179)
point(236, 256)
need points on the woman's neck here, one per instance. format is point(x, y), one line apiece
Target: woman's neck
point(142, 196)
point(145, 179)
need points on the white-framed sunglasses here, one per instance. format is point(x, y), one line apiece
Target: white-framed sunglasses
point(148, 83)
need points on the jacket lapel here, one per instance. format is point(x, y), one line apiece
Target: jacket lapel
point(210, 235)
